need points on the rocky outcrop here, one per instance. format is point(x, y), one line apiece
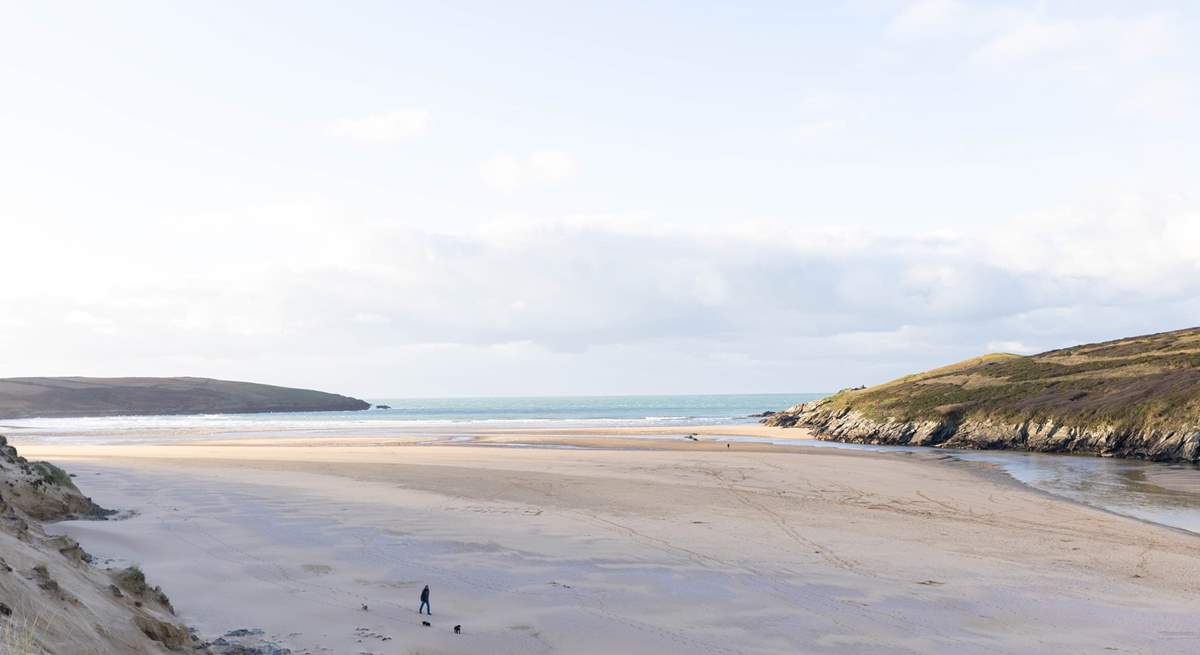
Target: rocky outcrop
point(832, 421)
point(1134, 397)
point(171, 635)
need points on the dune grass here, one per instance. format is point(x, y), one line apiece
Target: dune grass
point(18, 635)
point(53, 475)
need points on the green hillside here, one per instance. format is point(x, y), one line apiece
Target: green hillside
point(1133, 397)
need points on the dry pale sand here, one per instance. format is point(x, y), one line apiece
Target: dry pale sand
point(641, 547)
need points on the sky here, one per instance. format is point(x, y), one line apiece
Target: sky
point(454, 199)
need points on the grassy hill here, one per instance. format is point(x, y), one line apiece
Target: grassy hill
point(60, 397)
point(1136, 397)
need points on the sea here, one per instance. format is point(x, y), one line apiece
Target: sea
point(1127, 487)
point(418, 415)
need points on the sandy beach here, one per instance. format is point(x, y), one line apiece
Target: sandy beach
point(644, 328)
point(604, 541)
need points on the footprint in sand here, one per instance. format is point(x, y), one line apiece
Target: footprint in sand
point(318, 569)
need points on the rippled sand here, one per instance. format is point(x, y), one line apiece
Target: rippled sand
point(606, 543)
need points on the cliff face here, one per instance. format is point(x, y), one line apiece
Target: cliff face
point(1136, 397)
point(847, 424)
point(59, 397)
point(52, 599)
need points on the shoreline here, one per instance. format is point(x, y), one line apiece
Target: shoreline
point(843, 550)
point(743, 436)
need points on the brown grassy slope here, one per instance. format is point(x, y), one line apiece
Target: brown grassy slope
point(1146, 382)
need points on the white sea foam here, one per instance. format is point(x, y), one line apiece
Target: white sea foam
point(432, 416)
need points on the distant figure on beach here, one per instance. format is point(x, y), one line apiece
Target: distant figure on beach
point(425, 602)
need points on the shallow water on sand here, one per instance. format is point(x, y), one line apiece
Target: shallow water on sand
point(1128, 487)
point(1168, 494)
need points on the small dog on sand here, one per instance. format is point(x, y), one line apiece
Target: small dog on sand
point(458, 629)
point(426, 623)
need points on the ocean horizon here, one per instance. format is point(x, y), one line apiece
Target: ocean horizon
point(405, 415)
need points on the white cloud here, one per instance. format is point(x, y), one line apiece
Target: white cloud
point(551, 165)
point(1090, 43)
point(1024, 33)
point(1126, 250)
point(1122, 62)
point(84, 319)
point(1162, 99)
point(573, 284)
point(507, 173)
point(371, 318)
point(356, 300)
point(1030, 39)
point(925, 17)
point(502, 172)
point(1144, 38)
point(1015, 347)
point(822, 114)
point(388, 127)
point(911, 113)
point(814, 131)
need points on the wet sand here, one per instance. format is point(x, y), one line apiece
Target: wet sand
point(602, 544)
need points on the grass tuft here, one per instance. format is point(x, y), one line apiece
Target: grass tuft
point(52, 474)
point(18, 636)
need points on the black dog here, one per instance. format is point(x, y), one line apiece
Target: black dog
point(426, 623)
point(458, 629)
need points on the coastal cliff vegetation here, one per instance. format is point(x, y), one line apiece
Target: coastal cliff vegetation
point(1134, 397)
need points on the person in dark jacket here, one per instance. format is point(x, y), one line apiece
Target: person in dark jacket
point(425, 601)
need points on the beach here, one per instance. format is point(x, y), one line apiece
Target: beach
point(605, 540)
point(668, 328)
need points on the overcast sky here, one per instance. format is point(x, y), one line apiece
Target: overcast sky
point(425, 199)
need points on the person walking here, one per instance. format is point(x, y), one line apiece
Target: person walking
point(425, 602)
